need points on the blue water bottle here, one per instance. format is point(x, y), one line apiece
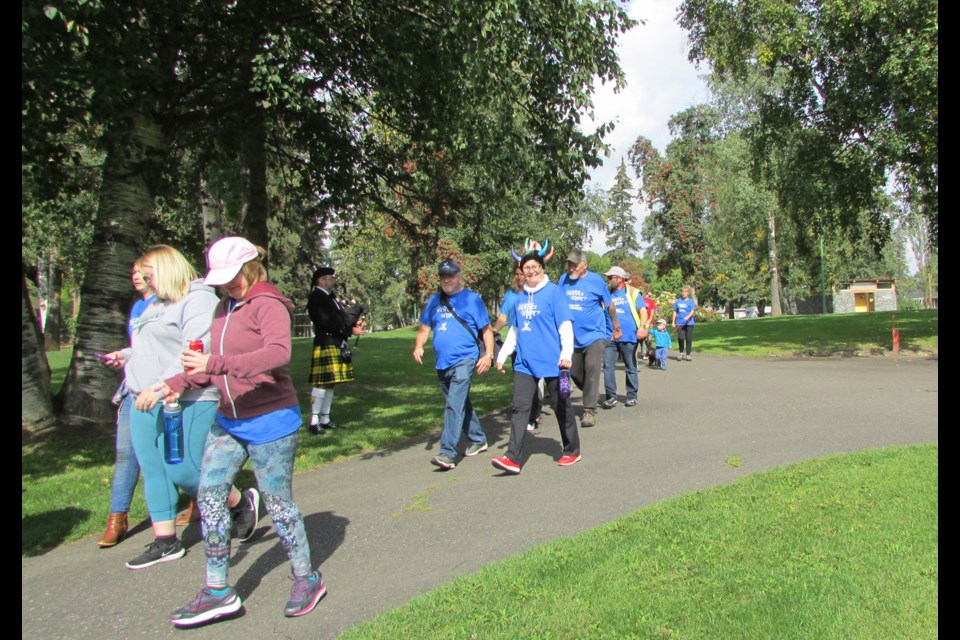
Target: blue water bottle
point(172, 432)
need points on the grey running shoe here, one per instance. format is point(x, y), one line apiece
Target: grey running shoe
point(206, 607)
point(609, 403)
point(305, 595)
point(246, 515)
point(631, 402)
point(475, 448)
point(444, 461)
point(158, 551)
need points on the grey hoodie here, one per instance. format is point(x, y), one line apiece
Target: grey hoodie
point(162, 332)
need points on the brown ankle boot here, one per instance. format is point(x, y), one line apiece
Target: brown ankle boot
point(188, 515)
point(116, 529)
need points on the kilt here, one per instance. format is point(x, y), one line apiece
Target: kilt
point(327, 367)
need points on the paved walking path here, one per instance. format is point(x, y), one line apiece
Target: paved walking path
point(387, 526)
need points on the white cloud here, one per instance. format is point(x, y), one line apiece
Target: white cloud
point(660, 82)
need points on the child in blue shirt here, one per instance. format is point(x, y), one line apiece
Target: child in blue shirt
point(662, 341)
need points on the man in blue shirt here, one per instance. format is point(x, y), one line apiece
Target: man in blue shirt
point(459, 322)
point(632, 312)
point(589, 301)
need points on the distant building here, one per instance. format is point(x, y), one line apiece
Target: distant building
point(861, 296)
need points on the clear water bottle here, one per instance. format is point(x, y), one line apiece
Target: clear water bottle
point(565, 386)
point(172, 432)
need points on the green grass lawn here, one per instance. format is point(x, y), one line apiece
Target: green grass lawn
point(818, 335)
point(843, 547)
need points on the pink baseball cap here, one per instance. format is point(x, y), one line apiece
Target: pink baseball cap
point(225, 258)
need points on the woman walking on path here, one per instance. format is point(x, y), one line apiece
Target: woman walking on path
point(258, 418)
point(126, 469)
point(180, 314)
point(683, 321)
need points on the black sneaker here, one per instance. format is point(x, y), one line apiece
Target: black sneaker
point(246, 515)
point(317, 430)
point(206, 607)
point(158, 551)
point(609, 403)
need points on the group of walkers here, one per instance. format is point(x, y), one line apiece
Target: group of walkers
point(557, 333)
point(237, 402)
point(222, 364)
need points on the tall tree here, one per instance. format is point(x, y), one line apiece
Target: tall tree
point(860, 99)
point(620, 221)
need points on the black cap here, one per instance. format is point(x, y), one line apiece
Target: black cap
point(532, 255)
point(323, 271)
point(448, 267)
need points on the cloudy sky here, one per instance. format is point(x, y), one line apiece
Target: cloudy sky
point(660, 82)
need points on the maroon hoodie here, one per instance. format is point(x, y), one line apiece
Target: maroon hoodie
point(250, 355)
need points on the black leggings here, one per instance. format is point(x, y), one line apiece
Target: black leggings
point(685, 334)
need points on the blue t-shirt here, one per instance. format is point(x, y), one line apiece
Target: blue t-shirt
point(588, 299)
point(627, 324)
point(509, 306)
point(136, 311)
point(451, 341)
point(683, 307)
point(264, 428)
point(537, 320)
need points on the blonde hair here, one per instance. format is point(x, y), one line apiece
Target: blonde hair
point(172, 274)
point(253, 271)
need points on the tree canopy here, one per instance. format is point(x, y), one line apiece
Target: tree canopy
point(282, 119)
point(859, 99)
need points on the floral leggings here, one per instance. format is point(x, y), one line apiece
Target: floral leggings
point(223, 456)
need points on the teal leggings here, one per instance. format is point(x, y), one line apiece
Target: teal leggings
point(160, 480)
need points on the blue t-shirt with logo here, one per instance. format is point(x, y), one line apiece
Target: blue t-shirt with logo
point(537, 321)
point(627, 324)
point(683, 307)
point(509, 306)
point(588, 298)
point(451, 341)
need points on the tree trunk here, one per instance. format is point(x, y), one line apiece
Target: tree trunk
point(212, 214)
point(36, 406)
point(775, 309)
point(125, 208)
point(52, 279)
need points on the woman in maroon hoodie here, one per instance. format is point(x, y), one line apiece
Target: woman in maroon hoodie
point(258, 417)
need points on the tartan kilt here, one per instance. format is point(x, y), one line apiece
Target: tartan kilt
point(326, 367)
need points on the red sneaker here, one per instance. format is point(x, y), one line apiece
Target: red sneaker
point(506, 464)
point(566, 461)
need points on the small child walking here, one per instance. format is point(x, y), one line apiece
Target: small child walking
point(662, 341)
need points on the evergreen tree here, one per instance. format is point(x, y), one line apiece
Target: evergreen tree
point(620, 221)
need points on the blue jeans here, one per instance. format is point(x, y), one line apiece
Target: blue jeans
point(458, 416)
point(662, 356)
point(126, 469)
point(629, 352)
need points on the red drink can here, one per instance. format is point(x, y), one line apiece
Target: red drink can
point(195, 345)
